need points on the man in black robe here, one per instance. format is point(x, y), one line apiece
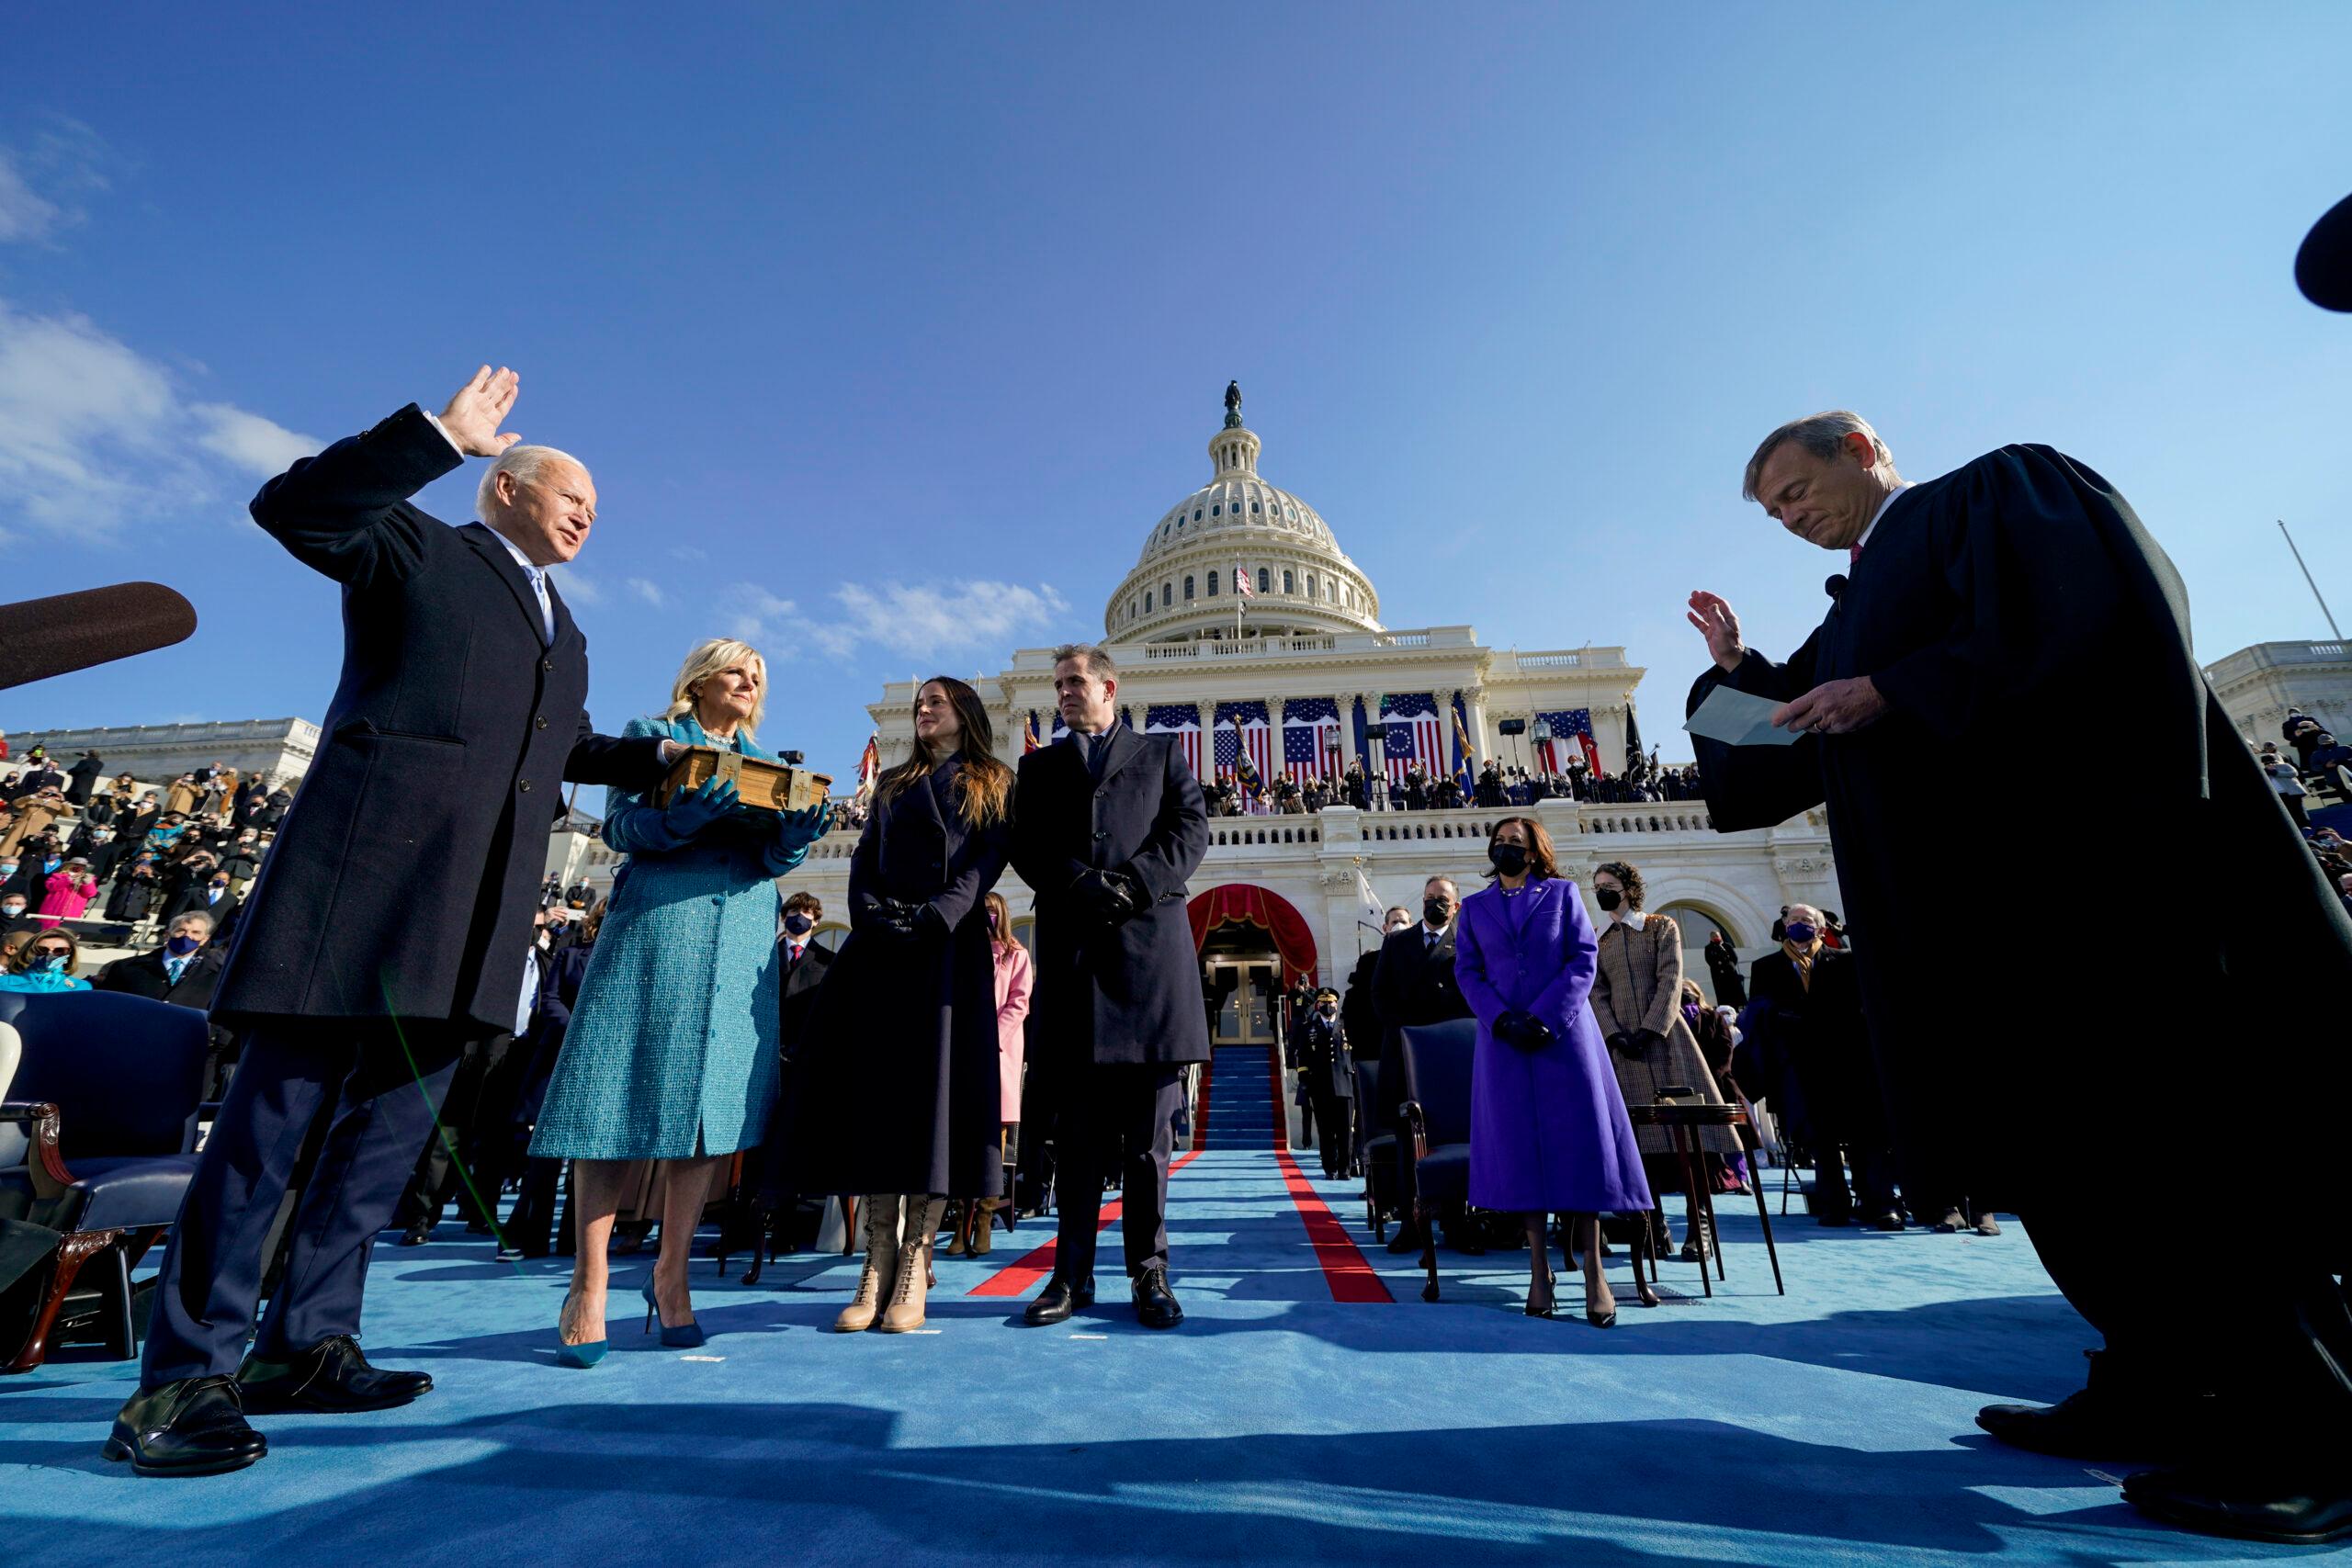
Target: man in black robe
point(1980, 612)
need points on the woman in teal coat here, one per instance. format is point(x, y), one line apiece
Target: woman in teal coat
point(671, 1053)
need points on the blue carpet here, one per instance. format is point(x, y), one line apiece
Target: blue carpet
point(1831, 1426)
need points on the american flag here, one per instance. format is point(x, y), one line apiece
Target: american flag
point(1029, 741)
point(1552, 755)
point(1183, 721)
point(1243, 728)
point(1414, 735)
point(1241, 583)
point(1311, 737)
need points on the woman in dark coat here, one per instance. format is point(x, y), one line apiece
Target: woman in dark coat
point(904, 1084)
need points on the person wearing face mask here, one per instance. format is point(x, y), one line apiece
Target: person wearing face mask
point(15, 914)
point(1327, 1071)
point(45, 963)
point(184, 971)
point(1548, 1129)
point(1415, 985)
point(806, 964)
point(1637, 1000)
point(1814, 1062)
point(208, 891)
point(16, 877)
point(903, 1109)
point(68, 891)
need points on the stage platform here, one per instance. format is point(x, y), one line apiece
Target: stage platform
point(1311, 1408)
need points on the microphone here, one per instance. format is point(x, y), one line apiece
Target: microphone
point(1836, 586)
point(41, 638)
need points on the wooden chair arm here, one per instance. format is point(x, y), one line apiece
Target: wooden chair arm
point(44, 1160)
point(1416, 1127)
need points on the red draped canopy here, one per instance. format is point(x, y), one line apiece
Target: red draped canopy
point(1239, 901)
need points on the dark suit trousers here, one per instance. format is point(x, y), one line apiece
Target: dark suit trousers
point(345, 1087)
point(1112, 1107)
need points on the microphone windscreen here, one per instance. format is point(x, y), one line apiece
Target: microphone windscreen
point(1836, 586)
point(41, 638)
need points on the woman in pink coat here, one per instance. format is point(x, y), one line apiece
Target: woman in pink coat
point(69, 891)
point(1014, 970)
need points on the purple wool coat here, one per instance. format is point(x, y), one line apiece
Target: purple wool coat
point(1548, 1130)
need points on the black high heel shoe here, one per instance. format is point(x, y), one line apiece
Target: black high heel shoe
point(1598, 1319)
point(1551, 1297)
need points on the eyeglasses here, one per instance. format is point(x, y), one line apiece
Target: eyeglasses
point(52, 953)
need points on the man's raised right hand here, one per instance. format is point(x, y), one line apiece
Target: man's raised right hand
point(1716, 622)
point(474, 414)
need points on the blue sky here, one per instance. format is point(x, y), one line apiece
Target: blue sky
point(889, 332)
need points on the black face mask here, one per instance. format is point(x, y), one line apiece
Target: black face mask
point(797, 924)
point(1437, 911)
point(1607, 898)
point(1508, 858)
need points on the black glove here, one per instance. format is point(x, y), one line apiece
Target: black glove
point(1107, 896)
point(898, 919)
point(1647, 1040)
point(1622, 1044)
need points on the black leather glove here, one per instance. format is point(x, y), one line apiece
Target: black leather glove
point(1620, 1043)
point(1533, 1033)
point(1647, 1040)
point(1107, 896)
point(898, 919)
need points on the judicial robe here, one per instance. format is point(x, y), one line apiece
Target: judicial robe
point(1993, 607)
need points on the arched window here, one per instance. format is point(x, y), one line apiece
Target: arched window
point(1188, 590)
point(1216, 510)
point(1212, 585)
point(1310, 585)
point(1196, 514)
point(1290, 582)
point(1254, 509)
point(1167, 596)
point(1264, 586)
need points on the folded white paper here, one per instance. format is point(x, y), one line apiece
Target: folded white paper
point(1738, 719)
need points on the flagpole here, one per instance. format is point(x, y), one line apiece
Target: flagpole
point(2314, 586)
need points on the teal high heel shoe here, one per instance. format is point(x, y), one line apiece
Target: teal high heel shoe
point(587, 1353)
point(684, 1338)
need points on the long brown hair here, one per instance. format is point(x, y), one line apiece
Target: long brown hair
point(1002, 935)
point(1541, 866)
point(984, 786)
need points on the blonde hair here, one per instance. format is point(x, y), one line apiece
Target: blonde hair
point(707, 660)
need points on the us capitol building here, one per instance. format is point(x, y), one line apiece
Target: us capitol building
point(1293, 670)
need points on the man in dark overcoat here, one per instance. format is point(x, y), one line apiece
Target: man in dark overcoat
point(388, 927)
point(1413, 986)
point(1108, 825)
point(1970, 611)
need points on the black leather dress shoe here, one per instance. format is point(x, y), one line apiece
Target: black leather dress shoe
point(1406, 1239)
point(2084, 1424)
point(194, 1427)
point(1155, 1303)
point(1057, 1301)
point(1889, 1221)
point(2274, 1502)
point(331, 1377)
point(417, 1234)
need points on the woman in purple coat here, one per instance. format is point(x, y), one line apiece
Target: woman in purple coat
point(1548, 1130)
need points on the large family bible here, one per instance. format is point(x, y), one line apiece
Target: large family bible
point(776, 785)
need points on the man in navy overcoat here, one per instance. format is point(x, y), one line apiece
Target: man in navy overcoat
point(388, 927)
point(1107, 826)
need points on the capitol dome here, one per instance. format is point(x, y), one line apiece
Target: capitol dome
point(1182, 586)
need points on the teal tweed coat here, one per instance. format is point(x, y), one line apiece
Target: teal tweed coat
point(672, 1047)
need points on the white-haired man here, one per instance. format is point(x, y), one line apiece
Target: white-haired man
point(388, 928)
point(1982, 613)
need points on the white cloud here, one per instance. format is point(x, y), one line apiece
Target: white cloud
point(757, 616)
point(649, 590)
point(96, 437)
point(689, 554)
point(40, 183)
point(576, 585)
point(25, 213)
point(943, 616)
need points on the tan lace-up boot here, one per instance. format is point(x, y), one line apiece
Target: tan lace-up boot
point(880, 1212)
point(905, 1311)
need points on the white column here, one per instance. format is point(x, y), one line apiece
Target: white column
point(1474, 699)
point(1347, 701)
